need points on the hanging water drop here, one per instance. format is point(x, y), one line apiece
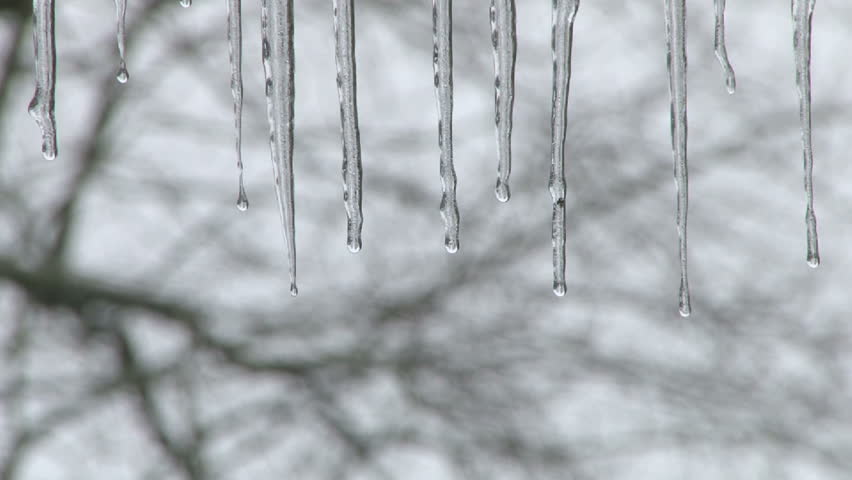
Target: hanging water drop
point(442, 60)
point(676, 42)
point(276, 23)
point(505, 42)
point(120, 10)
point(185, 3)
point(722, 49)
point(235, 51)
point(802, 11)
point(42, 106)
point(564, 12)
point(344, 33)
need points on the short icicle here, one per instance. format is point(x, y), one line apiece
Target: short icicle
point(442, 57)
point(722, 49)
point(505, 42)
point(802, 13)
point(276, 25)
point(120, 10)
point(344, 32)
point(235, 50)
point(564, 12)
point(676, 41)
point(42, 106)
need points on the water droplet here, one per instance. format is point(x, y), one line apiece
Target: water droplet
point(502, 191)
point(813, 261)
point(122, 76)
point(242, 202)
point(451, 244)
point(354, 244)
point(559, 289)
point(185, 3)
point(294, 291)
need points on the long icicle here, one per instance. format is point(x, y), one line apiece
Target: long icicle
point(344, 32)
point(42, 106)
point(442, 57)
point(564, 12)
point(722, 49)
point(676, 41)
point(276, 23)
point(120, 11)
point(505, 42)
point(235, 51)
point(802, 14)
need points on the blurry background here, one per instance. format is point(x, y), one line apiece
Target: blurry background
point(147, 332)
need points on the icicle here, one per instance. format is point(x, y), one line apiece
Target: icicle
point(676, 40)
point(120, 9)
point(185, 3)
point(564, 12)
point(722, 49)
point(235, 50)
point(276, 22)
point(41, 107)
point(344, 31)
point(505, 43)
point(442, 58)
point(802, 13)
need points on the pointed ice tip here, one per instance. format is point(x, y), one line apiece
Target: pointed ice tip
point(731, 84)
point(242, 203)
point(354, 245)
point(294, 291)
point(451, 245)
point(122, 76)
point(502, 191)
point(559, 289)
point(813, 260)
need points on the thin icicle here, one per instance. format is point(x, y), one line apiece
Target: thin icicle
point(505, 42)
point(564, 12)
point(276, 23)
point(185, 3)
point(120, 10)
point(41, 107)
point(235, 50)
point(442, 58)
point(802, 13)
point(722, 49)
point(344, 31)
point(676, 41)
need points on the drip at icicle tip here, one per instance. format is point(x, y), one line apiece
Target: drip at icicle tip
point(813, 260)
point(242, 200)
point(502, 191)
point(451, 244)
point(559, 289)
point(731, 83)
point(684, 307)
point(185, 3)
point(353, 243)
point(294, 291)
point(122, 76)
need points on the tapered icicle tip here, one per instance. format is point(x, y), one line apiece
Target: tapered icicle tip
point(731, 83)
point(354, 244)
point(502, 191)
point(242, 201)
point(452, 245)
point(684, 307)
point(122, 75)
point(559, 289)
point(294, 290)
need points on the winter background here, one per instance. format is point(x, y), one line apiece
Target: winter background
point(147, 331)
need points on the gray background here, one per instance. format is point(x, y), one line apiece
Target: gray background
point(147, 332)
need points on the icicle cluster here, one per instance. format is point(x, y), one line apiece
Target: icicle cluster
point(279, 64)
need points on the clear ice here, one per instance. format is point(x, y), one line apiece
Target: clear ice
point(120, 10)
point(676, 41)
point(442, 59)
point(276, 23)
point(722, 49)
point(505, 42)
point(802, 11)
point(344, 33)
point(235, 51)
point(42, 106)
point(564, 12)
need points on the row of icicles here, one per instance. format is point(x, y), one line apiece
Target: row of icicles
point(278, 65)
